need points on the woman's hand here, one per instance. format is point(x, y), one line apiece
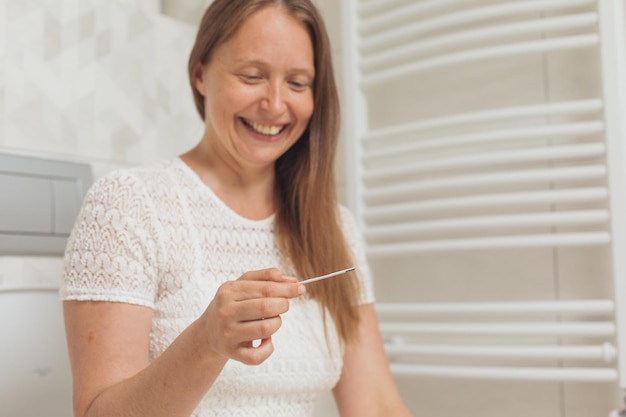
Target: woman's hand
point(246, 310)
point(108, 344)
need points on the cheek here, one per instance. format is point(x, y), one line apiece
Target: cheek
point(224, 103)
point(234, 99)
point(306, 108)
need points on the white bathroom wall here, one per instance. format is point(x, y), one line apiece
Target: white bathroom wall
point(189, 11)
point(96, 81)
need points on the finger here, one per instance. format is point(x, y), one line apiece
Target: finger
point(269, 274)
point(246, 290)
point(250, 355)
point(261, 308)
point(258, 329)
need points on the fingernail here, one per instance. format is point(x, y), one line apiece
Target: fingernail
point(301, 289)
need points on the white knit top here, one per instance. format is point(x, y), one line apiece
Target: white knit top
point(159, 237)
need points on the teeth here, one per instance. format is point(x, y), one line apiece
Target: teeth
point(264, 130)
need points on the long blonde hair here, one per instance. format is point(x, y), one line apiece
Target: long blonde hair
point(308, 225)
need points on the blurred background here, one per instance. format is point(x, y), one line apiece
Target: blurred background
point(480, 153)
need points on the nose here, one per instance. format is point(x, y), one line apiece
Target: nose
point(274, 100)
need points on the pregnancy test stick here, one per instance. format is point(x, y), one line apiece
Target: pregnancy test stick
point(332, 274)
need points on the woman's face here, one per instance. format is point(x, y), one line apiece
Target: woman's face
point(258, 89)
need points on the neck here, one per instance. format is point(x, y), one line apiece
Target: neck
point(249, 191)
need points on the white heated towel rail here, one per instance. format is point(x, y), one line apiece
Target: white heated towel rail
point(537, 174)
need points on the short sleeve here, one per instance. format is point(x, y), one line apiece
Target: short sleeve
point(357, 244)
point(111, 254)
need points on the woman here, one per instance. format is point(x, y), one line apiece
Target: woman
point(179, 289)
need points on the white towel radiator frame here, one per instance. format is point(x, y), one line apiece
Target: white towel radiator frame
point(381, 44)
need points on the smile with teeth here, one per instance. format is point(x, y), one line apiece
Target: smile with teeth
point(263, 129)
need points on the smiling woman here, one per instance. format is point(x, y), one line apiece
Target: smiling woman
point(173, 272)
point(256, 92)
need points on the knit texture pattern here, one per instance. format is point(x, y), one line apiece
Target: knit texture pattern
point(157, 236)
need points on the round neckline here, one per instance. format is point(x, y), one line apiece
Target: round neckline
point(196, 178)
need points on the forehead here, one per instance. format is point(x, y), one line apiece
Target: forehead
point(273, 35)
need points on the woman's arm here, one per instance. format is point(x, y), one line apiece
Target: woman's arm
point(109, 348)
point(366, 387)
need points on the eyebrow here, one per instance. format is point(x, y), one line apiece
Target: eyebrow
point(308, 71)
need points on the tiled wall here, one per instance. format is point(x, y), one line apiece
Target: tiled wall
point(96, 81)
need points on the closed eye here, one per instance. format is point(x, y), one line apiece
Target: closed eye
point(250, 78)
point(298, 85)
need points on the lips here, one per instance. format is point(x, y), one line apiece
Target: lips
point(266, 130)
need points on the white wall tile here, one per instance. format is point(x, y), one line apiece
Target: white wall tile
point(92, 81)
point(88, 83)
point(30, 272)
